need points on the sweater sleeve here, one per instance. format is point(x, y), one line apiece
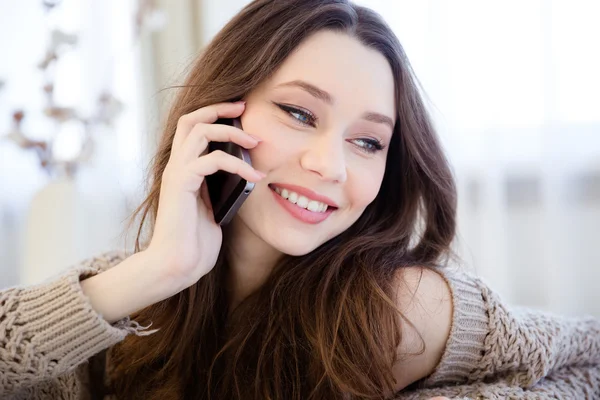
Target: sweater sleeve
point(582, 382)
point(519, 348)
point(49, 329)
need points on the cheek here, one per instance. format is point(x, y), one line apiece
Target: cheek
point(363, 185)
point(270, 155)
point(276, 146)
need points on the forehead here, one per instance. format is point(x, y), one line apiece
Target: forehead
point(339, 64)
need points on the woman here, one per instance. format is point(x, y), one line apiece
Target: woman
point(328, 283)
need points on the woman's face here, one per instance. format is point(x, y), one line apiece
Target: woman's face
point(325, 119)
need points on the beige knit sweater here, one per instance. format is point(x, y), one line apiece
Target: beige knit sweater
point(49, 331)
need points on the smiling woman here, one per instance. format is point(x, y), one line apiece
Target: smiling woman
point(330, 282)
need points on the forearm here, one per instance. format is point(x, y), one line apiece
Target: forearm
point(127, 287)
point(581, 382)
point(565, 341)
point(525, 346)
point(51, 328)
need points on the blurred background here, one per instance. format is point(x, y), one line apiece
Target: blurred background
point(514, 88)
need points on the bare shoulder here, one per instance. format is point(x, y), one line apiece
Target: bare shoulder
point(425, 300)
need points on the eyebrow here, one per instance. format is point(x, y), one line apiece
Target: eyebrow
point(379, 118)
point(327, 98)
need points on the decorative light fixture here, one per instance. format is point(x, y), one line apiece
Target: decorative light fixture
point(71, 144)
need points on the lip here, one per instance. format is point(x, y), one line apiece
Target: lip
point(306, 193)
point(302, 214)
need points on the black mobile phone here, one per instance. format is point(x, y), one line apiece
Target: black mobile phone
point(228, 191)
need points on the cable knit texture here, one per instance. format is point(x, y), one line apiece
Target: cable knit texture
point(49, 331)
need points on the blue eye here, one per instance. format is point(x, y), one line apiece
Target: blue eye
point(303, 117)
point(300, 117)
point(369, 145)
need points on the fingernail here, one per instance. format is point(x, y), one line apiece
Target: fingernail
point(255, 138)
point(259, 173)
point(240, 102)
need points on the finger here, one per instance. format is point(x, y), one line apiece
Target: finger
point(205, 196)
point(197, 141)
point(207, 115)
point(219, 160)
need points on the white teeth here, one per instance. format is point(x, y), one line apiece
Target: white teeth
point(301, 201)
point(293, 197)
point(314, 206)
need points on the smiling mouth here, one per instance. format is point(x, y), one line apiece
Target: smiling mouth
point(302, 201)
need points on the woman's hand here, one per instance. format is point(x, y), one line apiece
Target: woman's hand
point(186, 238)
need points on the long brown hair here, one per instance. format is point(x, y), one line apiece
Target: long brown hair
point(324, 325)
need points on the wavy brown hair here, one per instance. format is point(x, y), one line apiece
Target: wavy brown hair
point(324, 325)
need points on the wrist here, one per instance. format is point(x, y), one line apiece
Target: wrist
point(128, 287)
point(152, 270)
point(156, 265)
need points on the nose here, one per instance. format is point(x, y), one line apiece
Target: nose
point(325, 157)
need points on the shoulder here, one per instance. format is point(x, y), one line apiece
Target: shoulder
point(425, 300)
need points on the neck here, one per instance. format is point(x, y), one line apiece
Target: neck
point(251, 260)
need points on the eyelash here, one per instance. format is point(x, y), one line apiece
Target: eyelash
point(374, 144)
point(312, 119)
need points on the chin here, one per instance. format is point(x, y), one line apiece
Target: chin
point(291, 243)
